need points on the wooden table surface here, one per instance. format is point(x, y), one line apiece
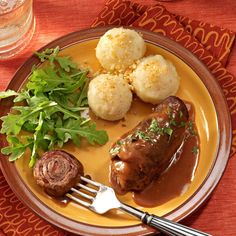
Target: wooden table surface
point(55, 18)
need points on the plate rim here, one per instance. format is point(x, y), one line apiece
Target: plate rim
point(194, 63)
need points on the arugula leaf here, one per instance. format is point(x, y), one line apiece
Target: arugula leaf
point(16, 148)
point(51, 140)
point(52, 55)
point(43, 80)
point(65, 63)
point(48, 54)
point(8, 93)
point(68, 113)
point(73, 128)
point(23, 95)
point(10, 124)
point(53, 111)
point(83, 94)
point(38, 136)
point(16, 152)
point(92, 135)
point(34, 100)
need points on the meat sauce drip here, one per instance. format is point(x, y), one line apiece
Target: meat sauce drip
point(174, 179)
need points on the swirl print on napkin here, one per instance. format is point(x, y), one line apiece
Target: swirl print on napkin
point(210, 43)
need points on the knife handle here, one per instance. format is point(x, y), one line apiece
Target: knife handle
point(169, 227)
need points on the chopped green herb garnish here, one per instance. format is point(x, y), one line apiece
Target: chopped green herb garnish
point(168, 130)
point(182, 124)
point(171, 117)
point(142, 135)
point(155, 128)
point(119, 142)
point(115, 150)
point(173, 122)
point(132, 138)
point(191, 128)
point(54, 98)
point(181, 114)
point(170, 112)
point(195, 150)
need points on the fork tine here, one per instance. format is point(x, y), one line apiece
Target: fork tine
point(91, 190)
point(82, 194)
point(83, 203)
point(90, 181)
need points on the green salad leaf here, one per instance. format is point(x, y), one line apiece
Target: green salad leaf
point(53, 101)
point(8, 93)
point(16, 148)
point(73, 128)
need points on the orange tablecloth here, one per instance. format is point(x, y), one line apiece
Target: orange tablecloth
point(56, 18)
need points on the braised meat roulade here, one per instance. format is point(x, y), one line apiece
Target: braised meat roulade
point(57, 171)
point(145, 152)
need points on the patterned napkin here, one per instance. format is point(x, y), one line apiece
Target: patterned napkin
point(209, 43)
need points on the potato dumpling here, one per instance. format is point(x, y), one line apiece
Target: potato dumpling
point(154, 79)
point(118, 48)
point(109, 96)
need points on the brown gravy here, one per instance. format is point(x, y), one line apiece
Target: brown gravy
point(174, 181)
point(177, 178)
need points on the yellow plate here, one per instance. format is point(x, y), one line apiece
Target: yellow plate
point(81, 47)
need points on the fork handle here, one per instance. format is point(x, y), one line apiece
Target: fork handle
point(163, 225)
point(170, 227)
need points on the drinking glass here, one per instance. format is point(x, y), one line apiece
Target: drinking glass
point(17, 26)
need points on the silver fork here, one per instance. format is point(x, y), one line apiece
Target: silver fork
point(103, 199)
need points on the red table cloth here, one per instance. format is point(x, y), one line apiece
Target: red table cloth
point(210, 43)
